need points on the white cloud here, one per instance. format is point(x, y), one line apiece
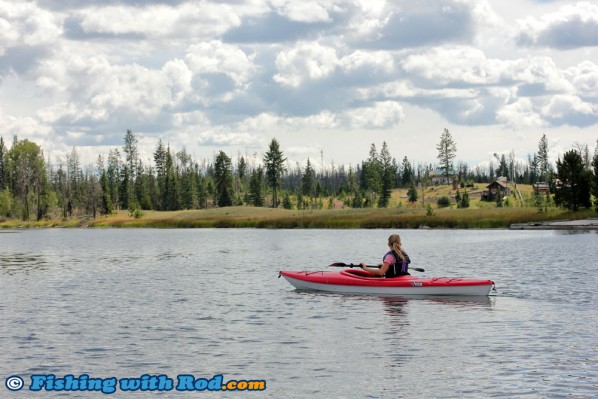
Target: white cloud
point(309, 11)
point(373, 61)
point(25, 24)
point(572, 26)
point(380, 115)
point(306, 61)
point(520, 114)
point(193, 19)
point(571, 110)
point(584, 78)
point(218, 57)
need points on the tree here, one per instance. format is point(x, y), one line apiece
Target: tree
point(3, 159)
point(388, 174)
point(113, 175)
point(543, 157)
point(223, 177)
point(171, 185)
point(308, 180)
point(26, 169)
point(573, 192)
point(274, 161)
point(129, 172)
point(74, 183)
point(371, 173)
point(412, 192)
point(105, 201)
point(594, 185)
point(447, 151)
point(256, 196)
point(6, 201)
point(463, 199)
point(407, 174)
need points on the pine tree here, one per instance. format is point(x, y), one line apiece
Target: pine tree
point(388, 175)
point(223, 177)
point(3, 177)
point(274, 161)
point(412, 192)
point(256, 195)
point(574, 191)
point(542, 158)
point(447, 151)
point(129, 173)
point(594, 177)
point(308, 180)
point(407, 174)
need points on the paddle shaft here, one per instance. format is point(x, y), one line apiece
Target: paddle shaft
point(341, 264)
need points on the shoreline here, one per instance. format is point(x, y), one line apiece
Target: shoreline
point(590, 224)
point(402, 218)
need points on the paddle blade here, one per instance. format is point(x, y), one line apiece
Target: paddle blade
point(343, 264)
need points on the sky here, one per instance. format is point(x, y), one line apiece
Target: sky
point(326, 78)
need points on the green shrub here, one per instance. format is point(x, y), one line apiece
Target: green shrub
point(443, 201)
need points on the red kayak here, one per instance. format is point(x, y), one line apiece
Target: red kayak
point(361, 282)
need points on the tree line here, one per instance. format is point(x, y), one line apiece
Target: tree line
point(32, 186)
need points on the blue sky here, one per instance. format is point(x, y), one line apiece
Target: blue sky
point(325, 77)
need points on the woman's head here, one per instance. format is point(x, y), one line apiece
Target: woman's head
point(394, 239)
point(394, 242)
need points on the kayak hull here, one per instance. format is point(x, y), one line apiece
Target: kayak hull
point(361, 282)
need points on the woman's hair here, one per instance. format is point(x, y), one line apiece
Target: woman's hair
point(395, 243)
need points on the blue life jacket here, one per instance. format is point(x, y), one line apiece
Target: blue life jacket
point(399, 268)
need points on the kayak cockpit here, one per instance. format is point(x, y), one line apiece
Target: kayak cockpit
point(359, 273)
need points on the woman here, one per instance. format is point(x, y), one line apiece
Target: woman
point(394, 262)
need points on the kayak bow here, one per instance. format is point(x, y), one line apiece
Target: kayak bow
point(361, 282)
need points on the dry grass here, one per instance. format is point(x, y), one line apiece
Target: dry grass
point(400, 214)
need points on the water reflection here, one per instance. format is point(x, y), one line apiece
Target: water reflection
point(17, 263)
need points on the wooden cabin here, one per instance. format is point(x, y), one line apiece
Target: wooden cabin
point(499, 188)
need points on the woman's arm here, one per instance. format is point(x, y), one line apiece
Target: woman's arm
point(376, 272)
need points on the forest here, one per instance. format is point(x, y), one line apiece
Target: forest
point(32, 187)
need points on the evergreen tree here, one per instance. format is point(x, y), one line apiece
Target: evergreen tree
point(129, 172)
point(447, 151)
point(286, 202)
point(274, 161)
point(256, 195)
point(105, 201)
point(171, 185)
point(573, 192)
point(594, 186)
point(371, 177)
point(308, 180)
point(503, 169)
point(542, 157)
point(407, 176)
point(223, 178)
point(113, 175)
point(412, 192)
point(74, 185)
point(3, 177)
point(26, 168)
point(160, 161)
point(388, 174)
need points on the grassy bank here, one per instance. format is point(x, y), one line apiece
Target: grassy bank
point(326, 218)
point(400, 214)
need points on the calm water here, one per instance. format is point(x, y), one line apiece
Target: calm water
point(123, 303)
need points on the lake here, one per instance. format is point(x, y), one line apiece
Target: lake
point(193, 306)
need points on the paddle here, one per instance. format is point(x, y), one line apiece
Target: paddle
point(341, 264)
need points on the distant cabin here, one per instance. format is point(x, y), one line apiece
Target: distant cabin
point(541, 187)
point(437, 177)
point(499, 188)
